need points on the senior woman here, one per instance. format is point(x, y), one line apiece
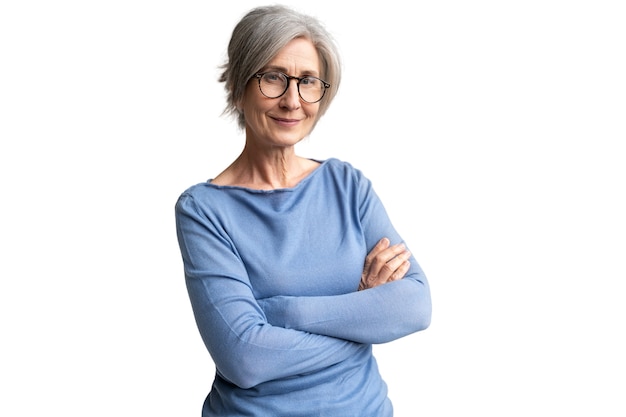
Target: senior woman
point(293, 267)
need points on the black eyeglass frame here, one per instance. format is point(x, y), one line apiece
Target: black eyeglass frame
point(259, 76)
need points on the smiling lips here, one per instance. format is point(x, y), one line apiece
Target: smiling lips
point(286, 122)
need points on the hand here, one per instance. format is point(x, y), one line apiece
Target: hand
point(384, 264)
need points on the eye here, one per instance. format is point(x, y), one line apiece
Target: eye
point(274, 77)
point(309, 81)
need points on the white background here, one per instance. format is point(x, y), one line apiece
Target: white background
point(493, 131)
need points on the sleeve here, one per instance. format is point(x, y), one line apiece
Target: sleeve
point(377, 315)
point(245, 348)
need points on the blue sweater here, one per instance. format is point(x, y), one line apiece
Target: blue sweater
point(272, 278)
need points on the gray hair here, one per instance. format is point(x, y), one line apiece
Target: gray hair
point(259, 36)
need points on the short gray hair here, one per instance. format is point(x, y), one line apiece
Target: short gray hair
point(259, 36)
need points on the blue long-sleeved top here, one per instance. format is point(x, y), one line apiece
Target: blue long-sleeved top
point(272, 278)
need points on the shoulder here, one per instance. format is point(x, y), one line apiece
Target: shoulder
point(195, 191)
point(195, 196)
point(341, 168)
point(338, 165)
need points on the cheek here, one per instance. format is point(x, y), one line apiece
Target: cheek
point(312, 111)
point(255, 108)
point(250, 97)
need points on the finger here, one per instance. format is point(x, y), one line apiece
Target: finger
point(392, 251)
point(391, 266)
point(376, 250)
point(382, 245)
point(379, 262)
point(400, 272)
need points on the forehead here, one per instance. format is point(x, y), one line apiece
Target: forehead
point(299, 55)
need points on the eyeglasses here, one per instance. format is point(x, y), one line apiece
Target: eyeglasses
point(274, 84)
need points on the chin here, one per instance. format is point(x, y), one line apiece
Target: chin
point(290, 139)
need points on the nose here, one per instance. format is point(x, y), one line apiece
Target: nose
point(291, 99)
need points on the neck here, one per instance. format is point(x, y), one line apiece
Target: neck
point(278, 168)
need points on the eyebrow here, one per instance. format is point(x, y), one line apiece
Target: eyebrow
point(284, 70)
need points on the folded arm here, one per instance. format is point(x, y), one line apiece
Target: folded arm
point(246, 349)
point(376, 313)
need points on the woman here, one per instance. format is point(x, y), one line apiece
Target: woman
point(292, 265)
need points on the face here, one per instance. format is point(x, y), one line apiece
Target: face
point(285, 120)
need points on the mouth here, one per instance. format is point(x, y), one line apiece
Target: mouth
point(286, 122)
